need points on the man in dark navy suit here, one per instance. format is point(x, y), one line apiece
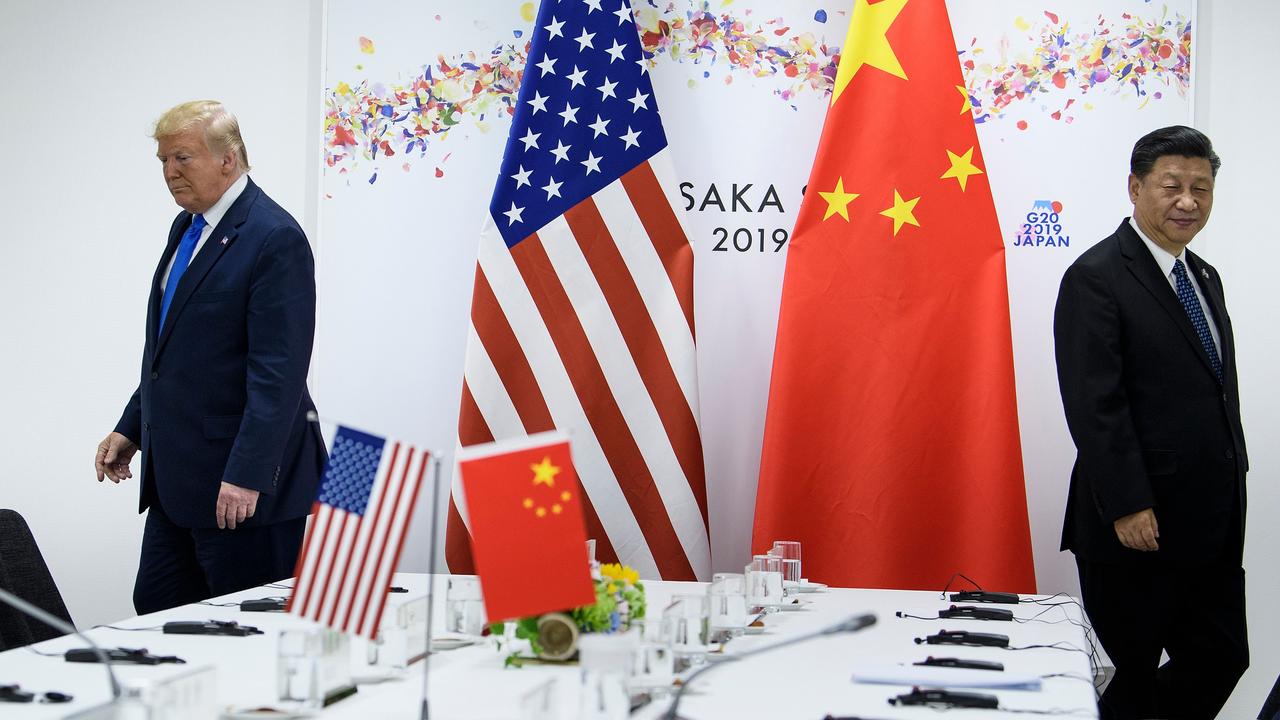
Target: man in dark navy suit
point(230, 456)
point(1155, 515)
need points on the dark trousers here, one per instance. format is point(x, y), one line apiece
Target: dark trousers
point(1194, 614)
point(185, 565)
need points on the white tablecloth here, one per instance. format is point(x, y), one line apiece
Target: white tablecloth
point(806, 681)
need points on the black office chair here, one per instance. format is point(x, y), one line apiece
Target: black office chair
point(23, 573)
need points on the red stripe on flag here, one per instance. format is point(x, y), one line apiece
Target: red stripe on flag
point(647, 351)
point(323, 523)
point(328, 579)
point(472, 430)
point(601, 408)
point(457, 544)
point(508, 358)
point(346, 572)
point(664, 230)
point(302, 558)
point(382, 546)
point(522, 388)
point(373, 529)
point(404, 533)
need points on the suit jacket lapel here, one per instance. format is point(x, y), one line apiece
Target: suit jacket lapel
point(1145, 269)
point(223, 235)
point(180, 225)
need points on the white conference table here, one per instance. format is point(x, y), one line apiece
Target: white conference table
point(806, 681)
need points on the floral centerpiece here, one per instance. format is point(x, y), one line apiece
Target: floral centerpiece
point(554, 636)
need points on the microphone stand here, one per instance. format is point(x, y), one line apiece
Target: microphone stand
point(850, 625)
point(58, 623)
point(431, 588)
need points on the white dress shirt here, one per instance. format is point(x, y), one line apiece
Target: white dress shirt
point(212, 216)
point(1166, 262)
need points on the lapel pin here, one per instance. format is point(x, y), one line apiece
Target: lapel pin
point(1203, 272)
point(224, 242)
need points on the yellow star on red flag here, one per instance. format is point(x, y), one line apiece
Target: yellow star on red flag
point(902, 212)
point(961, 168)
point(866, 43)
point(838, 201)
point(968, 101)
point(544, 473)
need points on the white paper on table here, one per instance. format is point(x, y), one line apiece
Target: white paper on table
point(934, 676)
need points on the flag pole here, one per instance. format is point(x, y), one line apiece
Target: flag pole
point(431, 586)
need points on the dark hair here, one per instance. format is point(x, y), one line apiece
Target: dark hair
point(1173, 140)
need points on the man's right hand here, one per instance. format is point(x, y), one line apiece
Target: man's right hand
point(1139, 531)
point(114, 453)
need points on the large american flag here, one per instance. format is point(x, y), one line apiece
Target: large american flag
point(582, 313)
point(352, 548)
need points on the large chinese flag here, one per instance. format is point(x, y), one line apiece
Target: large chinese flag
point(891, 445)
point(527, 534)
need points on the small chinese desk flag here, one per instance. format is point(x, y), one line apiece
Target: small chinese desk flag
point(524, 507)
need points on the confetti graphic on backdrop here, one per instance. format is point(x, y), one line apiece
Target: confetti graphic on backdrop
point(1141, 57)
point(727, 44)
point(1046, 67)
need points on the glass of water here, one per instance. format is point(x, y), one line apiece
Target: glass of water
point(764, 582)
point(727, 598)
point(464, 606)
point(686, 626)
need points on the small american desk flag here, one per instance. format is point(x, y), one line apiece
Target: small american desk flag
point(366, 501)
point(582, 315)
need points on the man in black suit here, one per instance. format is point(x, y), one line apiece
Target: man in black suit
point(230, 460)
point(1155, 514)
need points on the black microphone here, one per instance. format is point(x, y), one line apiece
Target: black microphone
point(58, 623)
point(849, 625)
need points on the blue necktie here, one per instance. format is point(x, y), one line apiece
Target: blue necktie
point(1190, 303)
point(186, 248)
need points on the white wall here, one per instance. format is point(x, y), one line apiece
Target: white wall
point(83, 218)
point(1237, 105)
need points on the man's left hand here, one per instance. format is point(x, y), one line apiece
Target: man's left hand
point(235, 505)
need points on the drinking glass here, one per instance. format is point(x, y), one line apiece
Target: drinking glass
point(791, 579)
point(788, 550)
point(685, 625)
point(727, 598)
point(464, 607)
point(605, 662)
point(653, 663)
point(764, 582)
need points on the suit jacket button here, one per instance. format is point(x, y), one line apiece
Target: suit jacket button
point(1230, 455)
point(146, 426)
point(155, 376)
point(1224, 397)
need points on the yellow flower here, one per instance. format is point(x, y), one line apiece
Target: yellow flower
point(612, 588)
point(619, 573)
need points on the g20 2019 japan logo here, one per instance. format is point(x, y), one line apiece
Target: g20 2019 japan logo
point(1042, 227)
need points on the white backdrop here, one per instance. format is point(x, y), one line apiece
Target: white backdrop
point(743, 90)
